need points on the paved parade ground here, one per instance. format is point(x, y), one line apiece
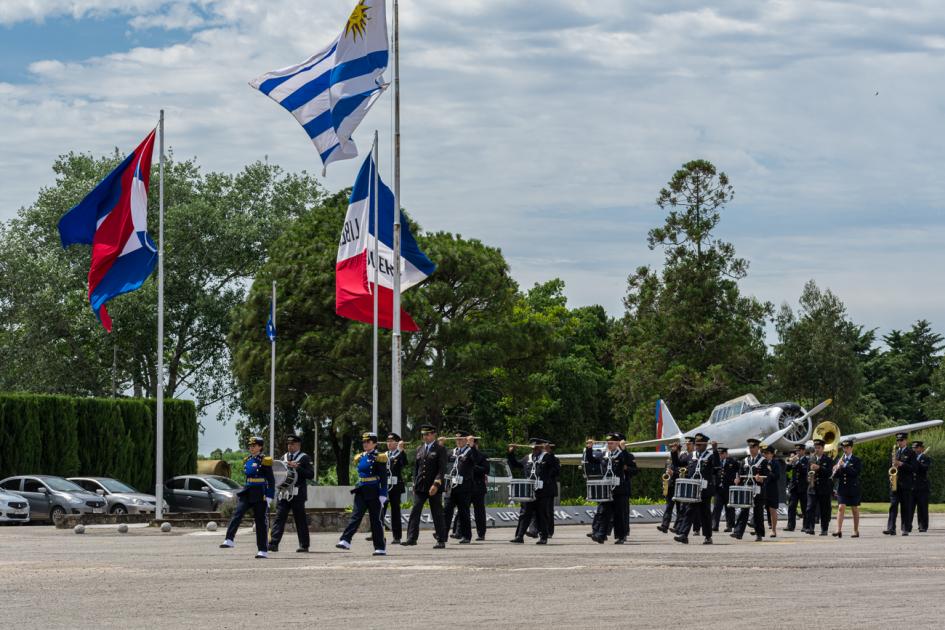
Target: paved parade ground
point(55, 579)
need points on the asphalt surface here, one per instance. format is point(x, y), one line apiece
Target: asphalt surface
point(56, 579)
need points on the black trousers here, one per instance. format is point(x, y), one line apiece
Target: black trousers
point(260, 511)
point(721, 503)
point(534, 511)
point(479, 512)
point(921, 497)
point(901, 501)
point(460, 502)
point(396, 521)
point(436, 512)
point(366, 499)
point(798, 497)
point(670, 504)
point(698, 517)
point(757, 517)
point(614, 514)
point(818, 509)
point(297, 507)
point(549, 520)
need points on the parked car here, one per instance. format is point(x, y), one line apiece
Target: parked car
point(121, 498)
point(13, 508)
point(52, 498)
point(199, 493)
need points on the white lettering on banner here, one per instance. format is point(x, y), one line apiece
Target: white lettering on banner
point(562, 515)
point(635, 514)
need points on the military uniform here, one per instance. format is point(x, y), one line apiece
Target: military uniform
point(751, 466)
point(429, 469)
point(480, 488)
point(369, 493)
point(544, 467)
point(459, 491)
point(849, 468)
point(819, 495)
point(293, 500)
point(396, 461)
point(616, 513)
point(901, 499)
point(702, 465)
point(725, 479)
point(797, 491)
point(676, 462)
point(258, 491)
point(922, 486)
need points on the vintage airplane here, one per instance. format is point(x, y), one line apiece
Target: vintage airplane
point(782, 425)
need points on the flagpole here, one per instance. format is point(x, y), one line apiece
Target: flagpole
point(395, 340)
point(159, 424)
point(377, 264)
point(272, 380)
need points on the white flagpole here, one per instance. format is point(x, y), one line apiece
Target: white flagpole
point(272, 383)
point(159, 424)
point(375, 194)
point(395, 342)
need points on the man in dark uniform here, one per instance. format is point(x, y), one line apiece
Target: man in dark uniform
point(370, 493)
point(901, 497)
point(922, 486)
point(615, 513)
point(754, 470)
point(820, 492)
point(459, 490)
point(676, 461)
point(429, 471)
point(480, 488)
point(293, 499)
point(684, 459)
point(396, 460)
point(703, 465)
point(544, 467)
point(725, 478)
point(797, 487)
point(256, 495)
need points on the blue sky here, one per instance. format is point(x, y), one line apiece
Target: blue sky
point(547, 127)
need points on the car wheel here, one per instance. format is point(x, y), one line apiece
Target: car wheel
point(57, 513)
point(119, 510)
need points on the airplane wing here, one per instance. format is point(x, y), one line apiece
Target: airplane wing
point(876, 434)
point(646, 459)
point(657, 442)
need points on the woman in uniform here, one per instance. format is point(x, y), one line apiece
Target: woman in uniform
point(769, 488)
point(847, 473)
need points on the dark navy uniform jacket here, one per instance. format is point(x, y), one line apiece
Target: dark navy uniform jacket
point(848, 476)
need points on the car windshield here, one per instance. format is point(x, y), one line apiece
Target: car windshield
point(113, 485)
point(222, 483)
point(63, 485)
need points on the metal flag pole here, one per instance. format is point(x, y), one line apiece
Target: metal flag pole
point(272, 383)
point(159, 424)
point(395, 340)
point(377, 264)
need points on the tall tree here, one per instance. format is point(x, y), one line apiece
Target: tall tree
point(688, 334)
point(900, 377)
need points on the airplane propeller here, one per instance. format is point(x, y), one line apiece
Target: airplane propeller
point(777, 435)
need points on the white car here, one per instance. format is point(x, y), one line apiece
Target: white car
point(13, 508)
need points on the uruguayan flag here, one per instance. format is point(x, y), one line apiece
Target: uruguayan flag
point(330, 92)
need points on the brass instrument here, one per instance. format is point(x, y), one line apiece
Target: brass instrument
point(666, 477)
point(893, 472)
point(792, 459)
point(683, 472)
point(829, 433)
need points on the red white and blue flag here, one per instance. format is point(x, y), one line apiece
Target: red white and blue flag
point(354, 267)
point(113, 219)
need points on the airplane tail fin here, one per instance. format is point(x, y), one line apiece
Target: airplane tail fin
point(665, 423)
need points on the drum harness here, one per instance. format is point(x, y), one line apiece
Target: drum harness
point(391, 479)
point(455, 478)
point(533, 471)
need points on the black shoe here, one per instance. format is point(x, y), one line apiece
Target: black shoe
point(905, 533)
point(715, 529)
point(809, 532)
point(599, 539)
point(542, 541)
point(274, 548)
point(681, 539)
point(369, 538)
point(788, 529)
point(707, 541)
point(889, 532)
point(409, 543)
point(531, 534)
point(922, 531)
point(727, 530)
point(672, 529)
point(440, 545)
point(299, 550)
point(736, 536)
point(759, 538)
point(518, 541)
point(396, 541)
point(662, 528)
point(837, 534)
point(480, 538)
point(454, 536)
point(588, 534)
point(823, 533)
point(620, 541)
point(464, 541)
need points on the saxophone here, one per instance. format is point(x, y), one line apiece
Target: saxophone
point(666, 477)
point(811, 474)
point(893, 472)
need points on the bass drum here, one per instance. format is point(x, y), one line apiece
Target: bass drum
point(285, 476)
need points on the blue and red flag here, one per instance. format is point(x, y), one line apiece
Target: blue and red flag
point(113, 219)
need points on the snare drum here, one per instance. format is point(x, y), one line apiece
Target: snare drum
point(522, 490)
point(740, 496)
point(601, 490)
point(688, 490)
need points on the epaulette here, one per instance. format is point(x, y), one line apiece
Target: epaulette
point(381, 457)
point(267, 461)
point(247, 458)
point(357, 458)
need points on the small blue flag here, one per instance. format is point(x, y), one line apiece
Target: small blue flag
point(270, 325)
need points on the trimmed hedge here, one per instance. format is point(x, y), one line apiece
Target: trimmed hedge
point(59, 435)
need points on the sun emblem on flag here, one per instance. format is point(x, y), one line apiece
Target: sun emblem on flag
point(358, 22)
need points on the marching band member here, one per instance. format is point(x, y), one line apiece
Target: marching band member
point(754, 467)
point(396, 460)
point(480, 488)
point(904, 463)
point(591, 467)
point(684, 460)
point(703, 466)
point(295, 500)
point(615, 513)
point(922, 487)
point(459, 492)
point(370, 494)
point(725, 477)
point(769, 488)
point(847, 473)
point(819, 492)
point(429, 469)
point(676, 461)
point(544, 467)
point(256, 495)
point(797, 487)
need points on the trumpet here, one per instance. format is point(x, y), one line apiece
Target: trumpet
point(893, 472)
point(792, 459)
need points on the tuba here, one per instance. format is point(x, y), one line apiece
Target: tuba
point(893, 472)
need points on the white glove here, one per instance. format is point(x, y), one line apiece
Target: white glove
point(268, 502)
point(383, 501)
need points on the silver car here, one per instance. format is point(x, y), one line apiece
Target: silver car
point(200, 493)
point(52, 498)
point(121, 498)
point(13, 508)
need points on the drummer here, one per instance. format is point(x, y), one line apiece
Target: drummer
point(702, 467)
point(753, 472)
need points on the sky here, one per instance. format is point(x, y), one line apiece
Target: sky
point(546, 127)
